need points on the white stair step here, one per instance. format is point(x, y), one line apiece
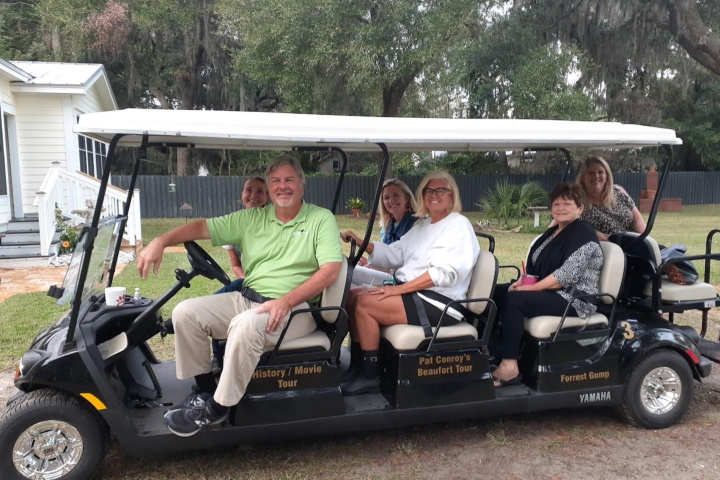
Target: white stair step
point(25, 249)
point(9, 261)
point(14, 237)
point(24, 224)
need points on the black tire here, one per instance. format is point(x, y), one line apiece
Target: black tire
point(632, 409)
point(46, 404)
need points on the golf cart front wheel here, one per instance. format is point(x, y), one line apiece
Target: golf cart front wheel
point(658, 390)
point(50, 434)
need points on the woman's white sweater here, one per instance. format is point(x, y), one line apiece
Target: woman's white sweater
point(447, 250)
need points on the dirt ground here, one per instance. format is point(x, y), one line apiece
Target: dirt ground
point(34, 279)
point(583, 443)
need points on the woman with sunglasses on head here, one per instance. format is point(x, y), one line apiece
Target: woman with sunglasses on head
point(433, 263)
point(397, 217)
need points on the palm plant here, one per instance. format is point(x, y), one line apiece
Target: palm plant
point(508, 202)
point(530, 194)
point(499, 202)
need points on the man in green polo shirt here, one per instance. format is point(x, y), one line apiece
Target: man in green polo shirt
point(291, 253)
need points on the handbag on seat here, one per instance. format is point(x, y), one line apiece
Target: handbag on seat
point(682, 272)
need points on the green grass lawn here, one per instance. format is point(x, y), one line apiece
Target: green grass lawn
point(24, 315)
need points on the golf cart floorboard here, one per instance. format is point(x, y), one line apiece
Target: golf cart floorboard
point(151, 422)
point(709, 349)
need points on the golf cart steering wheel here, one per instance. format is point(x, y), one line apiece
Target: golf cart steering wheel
point(204, 264)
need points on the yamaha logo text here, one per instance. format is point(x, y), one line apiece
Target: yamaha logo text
point(595, 397)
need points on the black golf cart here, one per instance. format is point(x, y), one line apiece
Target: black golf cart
point(92, 374)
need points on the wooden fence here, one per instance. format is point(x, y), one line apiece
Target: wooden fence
point(213, 196)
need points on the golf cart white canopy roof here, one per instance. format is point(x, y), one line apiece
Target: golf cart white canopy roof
point(282, 131)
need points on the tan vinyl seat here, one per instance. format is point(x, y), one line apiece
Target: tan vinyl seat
point(484, 276)
point(332, 296)
point(672, 292)
point(317, 339)
point(611, 277)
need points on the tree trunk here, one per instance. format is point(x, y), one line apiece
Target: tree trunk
point(171, 160)
point(55, 41)
point(393, 94)
point(222, 161)
point(187, 79)
point(392, 100)
point(693, 35)
point(184, 160)
point(504, 165)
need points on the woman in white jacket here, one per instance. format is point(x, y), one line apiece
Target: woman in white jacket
point(433, 263)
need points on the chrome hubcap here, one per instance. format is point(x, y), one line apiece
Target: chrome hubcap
point(47, 450)
point(660, 390)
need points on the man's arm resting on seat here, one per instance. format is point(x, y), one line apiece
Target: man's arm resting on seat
point(312, 287)
point(153, 252)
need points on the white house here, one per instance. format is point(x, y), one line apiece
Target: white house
point(43, 164)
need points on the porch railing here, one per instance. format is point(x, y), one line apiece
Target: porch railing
point(70, 192)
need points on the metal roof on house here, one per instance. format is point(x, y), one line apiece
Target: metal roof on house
point(12, 72)
point(258, 131)
point(63, 78)
point(60, 74)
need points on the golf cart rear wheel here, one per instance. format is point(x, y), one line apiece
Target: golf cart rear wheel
point(658, 390)
point(50, 434)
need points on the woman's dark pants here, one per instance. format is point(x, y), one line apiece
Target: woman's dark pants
point(515, 306)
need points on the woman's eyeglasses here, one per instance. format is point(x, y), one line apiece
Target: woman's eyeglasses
point(437, 191)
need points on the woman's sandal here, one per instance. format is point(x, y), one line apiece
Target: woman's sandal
point(499, 382)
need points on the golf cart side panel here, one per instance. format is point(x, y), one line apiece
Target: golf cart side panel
point(655, 338)
point(591, 362)
point(45, 364)
point(421, 379)
point(290, 393)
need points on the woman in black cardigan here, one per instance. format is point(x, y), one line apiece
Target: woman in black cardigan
point(567, 260)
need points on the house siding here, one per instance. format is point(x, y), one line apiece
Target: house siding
point(89, 103)
point(41, 140)
point(5, 95)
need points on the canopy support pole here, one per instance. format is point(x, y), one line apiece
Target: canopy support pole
point(568, 159)
point(656, 201)
point(376, 202)
point(141, 155)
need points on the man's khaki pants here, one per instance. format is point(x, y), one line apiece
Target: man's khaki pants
point(231, 316)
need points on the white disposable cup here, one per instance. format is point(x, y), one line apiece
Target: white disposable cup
point(115, 296)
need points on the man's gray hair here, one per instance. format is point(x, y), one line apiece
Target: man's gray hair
point(281, 161)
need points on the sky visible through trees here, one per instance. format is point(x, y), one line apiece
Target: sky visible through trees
point(651, 62)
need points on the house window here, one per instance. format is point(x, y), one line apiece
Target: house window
point(336, 164)
point(93, 155)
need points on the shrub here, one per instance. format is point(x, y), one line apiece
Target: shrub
point(355, 203)
point(508, 202)
point(68, 234)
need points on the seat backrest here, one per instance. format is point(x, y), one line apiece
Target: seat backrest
point(483, 278)
point(333, 295)
point(527, 256)
point(613, 270)
point(654, 247)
